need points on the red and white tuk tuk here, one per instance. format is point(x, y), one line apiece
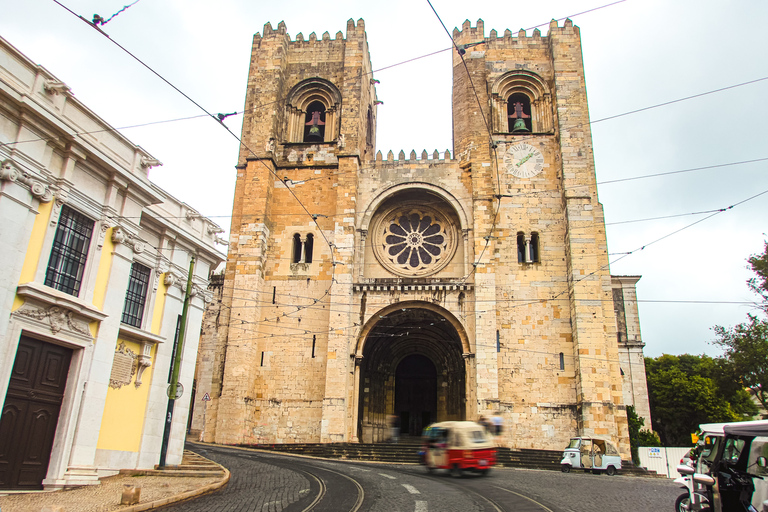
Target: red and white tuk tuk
point(458, 446)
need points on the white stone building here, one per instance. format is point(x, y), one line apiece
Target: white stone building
point(93, 268)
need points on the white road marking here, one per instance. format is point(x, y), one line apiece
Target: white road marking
point(411, 489)
point(421, 506)
point(388, 476)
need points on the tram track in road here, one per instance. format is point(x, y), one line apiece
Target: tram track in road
point(499, 498)
point(329, 490)
point(323, 485)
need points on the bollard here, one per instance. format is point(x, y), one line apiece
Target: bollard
point(131, 494)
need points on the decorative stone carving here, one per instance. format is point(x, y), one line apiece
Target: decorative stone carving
point(118, 235)
point(40, 191)
point(9, 172)
point(58, 318)
point(342, 142)
point(213, 229)
point(103, 228)
point(269, 147)
point(413, 240)
point(220, 241)
point(123, 367)
point(62, 196)
point(148, 163)
point(55, 87)
point(143, 362)
point(170, 279)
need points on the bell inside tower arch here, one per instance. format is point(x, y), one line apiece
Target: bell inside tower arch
point(314, 123)
point(519, 113)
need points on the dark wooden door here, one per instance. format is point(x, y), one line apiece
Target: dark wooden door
point(31, 412)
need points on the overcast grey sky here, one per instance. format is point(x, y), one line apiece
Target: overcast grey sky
point(637, 53)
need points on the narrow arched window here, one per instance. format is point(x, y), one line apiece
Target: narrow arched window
point(296, 256)
point(562, 361)
point(520, 248)
point(369, 128)
point(308, 248)
point(314, 123)
point(534, 248)
point(519, 113)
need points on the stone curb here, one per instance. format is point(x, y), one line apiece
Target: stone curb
point(183, 496)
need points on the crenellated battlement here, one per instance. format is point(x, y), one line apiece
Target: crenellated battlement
point(469, 34)
point(353, 30)
point(413, 158)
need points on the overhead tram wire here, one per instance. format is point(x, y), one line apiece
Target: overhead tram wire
point(606, 182)
point(521, 194)
point(278, 177)
point(331, 246)
point(492, 145)
point(528, 302)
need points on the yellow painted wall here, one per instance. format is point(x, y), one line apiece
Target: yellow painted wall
point(123, 421)
point(105, 265)
point(124, 411)
point(34, 248)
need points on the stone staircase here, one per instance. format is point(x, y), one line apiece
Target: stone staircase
point(407, 452)
point(192, 465)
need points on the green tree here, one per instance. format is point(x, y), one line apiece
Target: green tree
point(746, 345)
point(637, 436)
point(746, 349)
point(685, 391)
point(759, 284)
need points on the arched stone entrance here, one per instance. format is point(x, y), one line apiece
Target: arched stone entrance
point(412, 367)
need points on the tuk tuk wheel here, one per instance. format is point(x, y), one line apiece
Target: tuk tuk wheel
point(456, 471)
point(565, 468)
point(610, 471)
point(430, 469)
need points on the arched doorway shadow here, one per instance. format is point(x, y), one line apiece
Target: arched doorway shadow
point(412, 367)
point(415, 393)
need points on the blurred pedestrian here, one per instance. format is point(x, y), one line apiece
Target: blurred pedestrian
point(498, 423)
point(394, 428)
point(486, 424)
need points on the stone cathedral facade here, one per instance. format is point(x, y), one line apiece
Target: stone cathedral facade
point(433, 286)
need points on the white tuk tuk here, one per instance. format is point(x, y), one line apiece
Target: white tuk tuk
point(591, 454)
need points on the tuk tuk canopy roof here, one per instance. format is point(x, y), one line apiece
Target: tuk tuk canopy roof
point(460, 434)
point(747, 428)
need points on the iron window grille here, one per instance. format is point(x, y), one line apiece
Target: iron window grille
point(69, 252)
point(136, 296)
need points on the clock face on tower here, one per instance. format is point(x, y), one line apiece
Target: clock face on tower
point(523, 160)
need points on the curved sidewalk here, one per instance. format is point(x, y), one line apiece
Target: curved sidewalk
point(194, 477)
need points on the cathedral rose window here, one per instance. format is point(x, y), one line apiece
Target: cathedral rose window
point(414, 241)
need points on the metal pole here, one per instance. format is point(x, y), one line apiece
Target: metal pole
point(176, 364)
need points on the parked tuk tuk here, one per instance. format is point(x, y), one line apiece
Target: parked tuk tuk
point(739, 469)
point(591, 454)
point(703, 457)
point(458, 446)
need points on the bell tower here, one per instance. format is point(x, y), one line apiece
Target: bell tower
point(309, 126)
point(521, 127)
